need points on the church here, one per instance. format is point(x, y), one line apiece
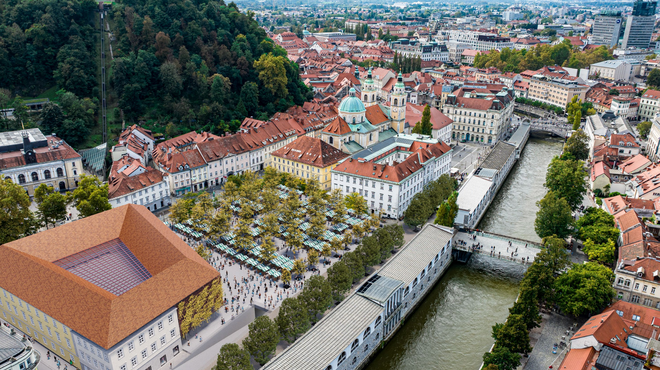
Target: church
point(364, 121)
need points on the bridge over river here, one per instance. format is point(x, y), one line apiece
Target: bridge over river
point(494, 245)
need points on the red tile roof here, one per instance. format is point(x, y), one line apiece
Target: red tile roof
point(605, 327)
point(29, 272)
point(121, 184)
point(312, 151)
point(52, 152)
point(338, 127)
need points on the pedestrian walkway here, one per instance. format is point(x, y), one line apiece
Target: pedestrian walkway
point(514, 250)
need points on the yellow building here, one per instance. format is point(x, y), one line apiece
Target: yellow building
point(308, 158)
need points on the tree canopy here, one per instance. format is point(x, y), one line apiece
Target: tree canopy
point(567, 179)
point(577, 146)
point(262, 339)
point(16, 219)
point(553, 217)
point(584, 289)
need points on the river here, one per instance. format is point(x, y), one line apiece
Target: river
point(451, 329)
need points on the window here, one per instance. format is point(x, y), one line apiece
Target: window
point(153, 346)
point(378, 321)
point(170, 318)
point(342, 358)
point(120, 353)
point(21, 179)
point(68, 342)
point(653, 290)
point(47, 174)
point(172, 333)
point(162, 340)
point(160, 325)
point(635, 317)
point(123, 367)
point(144, 353)
point(175, 350)
point(163, 360)
point(355, 345)
point(134, 361)
point(620, 281)
point(141, 338)
point(634, 299)
point(644, 288)
point(35, 176)
point(354, 361)
point(415, 283)
point(636, 286)
point(647, 302)
point(60, 172)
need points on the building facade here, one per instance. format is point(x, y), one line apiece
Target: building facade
point(131, 182)
point(606, 29)
point(426, 52)
point(30, 159)
point(556, 90)
point(615, 70)
point(649, 105)
point(637, 282)
point(640, 25)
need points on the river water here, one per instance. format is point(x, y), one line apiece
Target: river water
point(451, 329)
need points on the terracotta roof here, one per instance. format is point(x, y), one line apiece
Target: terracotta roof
point(312, 151)
point(626, 140)
point(651, 94)
point(579, 359)
point(627, 220)
point(648, 316)
point(648, 266)
point(122, 184)
point(604, 327)
point(375, 115)
point(52, 152)
point(414, 115)
point(338, 127)
point(634, 163)
point(599, 169)
point(29, 272)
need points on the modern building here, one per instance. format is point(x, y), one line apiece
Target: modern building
point(391, 172)
point(510, 15)
point(640, 25)
point(482, 41)
point(606, 29)
point(615, 70)
point(29, 159)
point(106, 291)
point(370, 316)
point(308, 158)
point(649, 105)
point(480, 113)
point(15, 352)
point(131, 182)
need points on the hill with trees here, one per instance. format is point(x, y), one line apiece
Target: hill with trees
point(201, 65)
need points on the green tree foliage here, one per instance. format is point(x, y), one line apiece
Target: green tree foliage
point(644, 128)
point(584, 289)
point(599, 233)
point(653, 78)
point(316, 297)
point(567, 179)
point(16, 219)
point(553, 217)
point(562, 54)
point(424, 126)
point(262, 339)
point(71, 120)
point(502, 358)
point(355, 265)
point(513, 335)
point(232, 357)
point(91, 196)
point(51, 204)
point(577, 146)
point(357, 203)
point(447, 211)
point(205, 66)
point(293, 319)
point(603, 252)
point(340, 279)
point(47, 41)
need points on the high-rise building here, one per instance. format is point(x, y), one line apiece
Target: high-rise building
point(640, 24)
point(607, 28)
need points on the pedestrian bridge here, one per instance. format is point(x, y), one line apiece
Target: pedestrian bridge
point(494, 245)
point(561, 130)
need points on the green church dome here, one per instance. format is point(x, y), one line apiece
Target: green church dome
point(351, 103)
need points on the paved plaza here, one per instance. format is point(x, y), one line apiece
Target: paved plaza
point(554, 328)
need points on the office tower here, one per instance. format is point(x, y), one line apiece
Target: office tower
point(607, 28)
point(639, 26)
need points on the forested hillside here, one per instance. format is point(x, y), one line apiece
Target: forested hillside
point(43, 42)
point(201, 65)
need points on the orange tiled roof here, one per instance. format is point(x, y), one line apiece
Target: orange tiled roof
point(312, 151)
point(30, 273)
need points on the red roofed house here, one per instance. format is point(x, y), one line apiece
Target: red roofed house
point(649, 105)
point(385, 173)
point(441, 123)
point(130, 182)
point(135, 141)
point(600, 176)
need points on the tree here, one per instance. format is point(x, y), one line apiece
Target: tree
point(262, 339)
point(577, 120)
point(355, 264)
point(272, 74)
point(286, 276)
point(293, 319)
point(316, 296)
point(298, 266)
point(52, 118)
point(203, 252)
point(232, 357)
point(577, 145)
point(567, 179)
point(603, 253)
point(16, 219)
point(584, 289)
point(644, 128)
point(51, 205)
point(514, 335)
point(357, 203)
point(553, 217)
point(170, 78)
point(340, 279)
point(424, 126)
point(653, 78)
point(447, 212)
point(180, 210)
point(220, 87)
point(313, 257)
point(572, 107)
point(91, 196)
point(418, 212)
point(502, 358)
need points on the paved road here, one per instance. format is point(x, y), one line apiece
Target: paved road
point(553, 330)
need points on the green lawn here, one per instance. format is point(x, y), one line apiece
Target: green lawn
point(51, 94)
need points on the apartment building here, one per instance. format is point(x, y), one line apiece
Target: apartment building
point(636, 281)
point(553, 85)
point(425, 51)
point(615, 70)
point(606, 29)
point(131, 182)
point(482, 41)
point(480, 113)
point(649, 105)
